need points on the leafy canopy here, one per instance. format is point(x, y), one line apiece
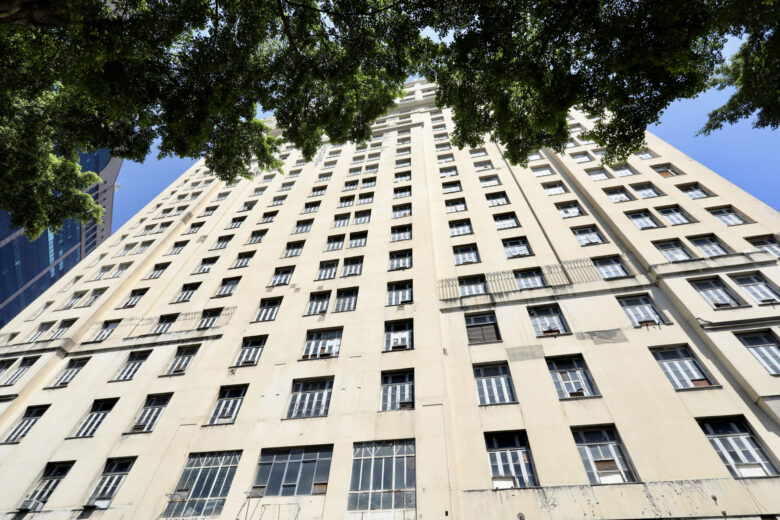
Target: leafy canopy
point(192, 74)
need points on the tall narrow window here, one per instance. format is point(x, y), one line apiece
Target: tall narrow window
point(97, 414)
point(506, 221)
point(397, 390)
point(400, 260)
point(383, 476)
point(310, 398)
point(228, 286)
point(399, 335)
point(318, 303)
point(61, 329)
point(494, 384)
point(715, 293)
point(181, 361)
point(322, 344)
point(358, 239)
point(15, 375)
point(604, 457)
point(641, 311)
point(511, 464)
point(327, 270)
point(547, 320)
point(42, 329)
point(70, 372)
point(293, 249)
point(164, 323)
point(738, 447)
point(571, 377)
point(51, 478)
point(257, 236)
point(113, 476)
point(203, 486)
point(209, 318)
point(222, 242)
point(242, 260)
point(282, 276)
point(25, 423)
point(334, 243)
point(399, 293)
point(206, 264)
point(150, 413)
point(346, 300)
point(765, 348)
point(134, 298)
point(133, 364)
point(269, 308)
point(228, 404)
point(293, 471)
point(251, 349)
point(681, 368)
point(482, 328)
point(353, 266)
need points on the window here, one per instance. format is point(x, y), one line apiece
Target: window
point(311, 207)
point(665, 170)
point(673, 250)
point(645, 154)
point(310, 398)
point(181, 360)
point(641, 311)
point(399, 293)
point(497, 199)
point(681, 368)
point(610, 267)
point(177, 248)
point(554, 188)
point(346, 201)
point(346, 300)
point(327, 270)
point(293, 249)
point(581, 157)
point(451, 187)
point(278, 201)
point(399, 335)
point(365, 198)
point(694, 191)
point(460, 227)
point(623, 170)
point(103, 272)
point(228, 286)
point(709, 246)
point(511, 464)
point(352, 266)
point(369, 182)
point(286, 186)
point(674, 215)
point(441, 147)
point(132, 365)
point(242, 260)
point(282, 276)
point(165, 323)
point(547, 320)
point(482, 328)
point(383, 476)
point(126, 250)
point(598, 174)
point(455, 205)
point(479, 152)
point(208, 318)
point(405, 191)
point(768, 244)
point(42, 329)
point(466, 254)
point(257, 236)
point(603, 455)
point(764, 347)
point(542, 171)
point(441, 136)
point(530, 279)
point(398, 233)
point(223, 196)
point(445, 158)
point(397, 390)
point(236, 222)
point(334, 243)
point(194, 228)
point(341, 220)
point(362, 217)
point(403, 177)
point(268, 217)
point(113, 476)
point(617, 195)
point(588, 235)
point(228, 404)
point(21, 369)
point(303, 226)
point(402, 210)
point(358, 239)
point(642, 219)
point(293, 471)
point(494, 384)
point(322, 344)
point(358, 159)
point(318, 191)
point(318, 303)
point(145, 245)
point(222, 242)
point(646, 191)
point(95, 417)
point(258, 191)
point(571, 377)
point(350, 185)
point(74, 299)
point(758, 288)
point(25, 423)
point(728, 216)
point(400, 260)
point(204, 485)
point(449, 171)
point(97, 293)
point(120, 270)
point(51, 478)
point(715, 293)
point(516, 247)
point(186, 293)
point(569, 209)
point(738, 447)
point(106, 330)
point(483, 165)
point(506, 221)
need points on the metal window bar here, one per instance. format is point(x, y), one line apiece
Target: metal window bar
point(681, 368)
point(738, 448)
point(673, 251)
point(346, 300)
point(510, 457)
point(674, 216)
point(472, 286)
point(203, 485)
point(16, 375)
point(51, 478)
point(494, 384)
point(228, 405)
point(334, 243)
point(251, 350)
point(400, 260)
point(113, 476)
point(399, 293)
point(517, 247)
point(460, 228)
point(530, 279)
point(358, 239)
point(106, 330)
point(132, 365)
point(328, 270)
point(571, 377)
point(318, 303)
point(25, 423)
point(399, 335)
point(640, 310)
point(181, 361)
point(709, 246)
point(466, 254)
point(282, 276)
point(268, 309)
point(310, 399)
point(604, 457)
point(399, 233)
point(547, 321)
point(94, 418)
point(610, 268)
point(397, 391)
point(151, 412)
point(352, 267)
point(383, 476)
point(322, 344)
point(643, 220)
point(227, 288)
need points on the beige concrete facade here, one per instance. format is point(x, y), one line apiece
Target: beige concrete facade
point(714, 316)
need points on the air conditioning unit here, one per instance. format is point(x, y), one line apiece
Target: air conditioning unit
point(30, 505)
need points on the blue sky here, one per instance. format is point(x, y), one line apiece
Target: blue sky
point(745, 156)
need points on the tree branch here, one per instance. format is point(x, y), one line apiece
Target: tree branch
point(286, 27)
point(342, 14)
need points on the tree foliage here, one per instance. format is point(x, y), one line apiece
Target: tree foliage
point(192, 74)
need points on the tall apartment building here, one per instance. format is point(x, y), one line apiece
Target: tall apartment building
point(29, 267)
point(404, 330)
